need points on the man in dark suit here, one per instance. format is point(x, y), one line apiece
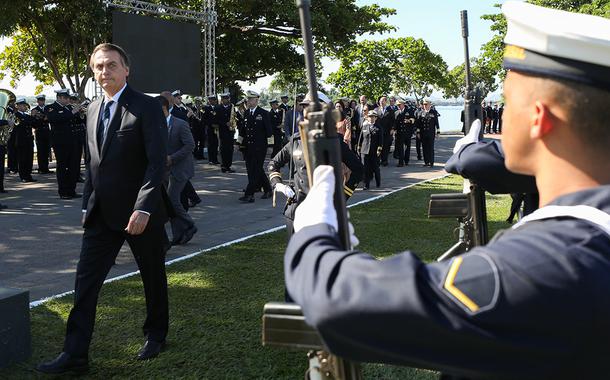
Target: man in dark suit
point(386, 123)
point(181, 169)
point(124, 199)
point(256, 131)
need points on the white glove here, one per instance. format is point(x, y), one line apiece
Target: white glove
point(318, 206)
point(471, 137)
point(286, 190)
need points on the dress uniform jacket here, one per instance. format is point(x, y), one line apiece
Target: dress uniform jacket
point(257, 129)
point(531, 304)
point(294, 151)
point(23, 131)
point(60, 118)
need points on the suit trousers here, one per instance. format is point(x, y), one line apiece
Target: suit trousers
point(403, 146)
point(66, 179)
point(255, 160)
point(181, 221)
point(226, 149)
point(427, 141)
point(100, 247)
point(2, 159)
point(11, 153)
point(43, 151)
point(418, 146)
point(371, 169)
point(278, 141)
point(385, 148)
point(212, 134)
point(25, 152)
point(199, 137)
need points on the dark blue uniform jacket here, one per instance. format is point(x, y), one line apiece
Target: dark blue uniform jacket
point(532, 304)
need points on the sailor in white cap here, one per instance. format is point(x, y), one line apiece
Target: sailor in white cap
point(210, 120)
point(43, 135)
point(284, 105)
point(531, 304)
point(24, 139)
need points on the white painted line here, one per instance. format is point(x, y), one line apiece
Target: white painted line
point(229, 243)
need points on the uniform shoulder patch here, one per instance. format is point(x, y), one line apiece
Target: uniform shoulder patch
point(472, 282)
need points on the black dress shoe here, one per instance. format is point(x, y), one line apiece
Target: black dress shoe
point(400, 165)
point(64, 363)
point(3, 207)
point(76, 195)
point(267, 195)
point(229, 170)
point(28, 180)
point(65, 197)
point(247, 199)
point(188, 234)
point(151, 349)
point(177, 240)
point(3, 191)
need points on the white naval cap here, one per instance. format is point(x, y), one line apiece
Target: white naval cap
point(177, 93)
point(20, 100)
point(63, 91)
point(554, 43)
point(321, 97)
point(252, 94)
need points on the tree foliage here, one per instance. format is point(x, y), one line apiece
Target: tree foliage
point(51, 39)
point(255, 38)
point(399, 65)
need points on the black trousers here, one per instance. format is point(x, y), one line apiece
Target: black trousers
point(385, 148)
point(75, 159)
point(25, 152)
point(212, 144)
point(188, 193)
point(278, 140)
point(226, 149)
point(2, 158)
point(427, 141)
point(43, 151)
point(371, 169)
point(199, 137)
point(100, 247)
point(66, 178)
point(255, 160)
point(402, 146)
point(495, 126)
point(418, 146)
point(11, 153)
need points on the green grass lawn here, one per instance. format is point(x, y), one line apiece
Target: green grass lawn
point(216, 300)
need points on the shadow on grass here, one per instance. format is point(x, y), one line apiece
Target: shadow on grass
point(216, 302)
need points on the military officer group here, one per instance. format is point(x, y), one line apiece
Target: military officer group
point(367, 129)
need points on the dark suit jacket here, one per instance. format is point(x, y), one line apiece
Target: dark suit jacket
point(128, 173)
point(257, 129)
point(180, 149)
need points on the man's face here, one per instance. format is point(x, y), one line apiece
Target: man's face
point(252, 102)
point(363, 99)
point(213, 101)
point(382, 101)
point(63, 99)
point(392, 101)
point(225, 101)
point(109, 70)
point(274, 106)
point(40, 102)
point(178, 100)
point(516, 121)
point(284, 100)
point(21, 107)
point(427, 106)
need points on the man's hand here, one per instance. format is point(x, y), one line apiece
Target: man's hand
point(471, 137)
point(137, 223)
point(286, 190)
point(169, 161)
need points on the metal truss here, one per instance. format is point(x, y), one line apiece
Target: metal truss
point(208, 20)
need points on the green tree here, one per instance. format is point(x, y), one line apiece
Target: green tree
point(399, 65)
point(255, 38)
point(51, 39)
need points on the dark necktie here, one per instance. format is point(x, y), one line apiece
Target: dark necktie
point(101, 133)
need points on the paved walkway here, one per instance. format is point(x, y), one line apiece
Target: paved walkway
point(40, 235)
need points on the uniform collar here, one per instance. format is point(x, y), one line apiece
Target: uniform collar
point(598, 197)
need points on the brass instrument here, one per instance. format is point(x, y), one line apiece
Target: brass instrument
point(232, 120)
point(6, 97)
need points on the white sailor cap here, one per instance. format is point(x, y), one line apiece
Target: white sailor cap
point(63, 91)
point(177, 93)
point(553, 43)
point(284, 96)
point(41, 96)
point(21, 100)
point(225, 95)
point(272, 101)
point(252, 94)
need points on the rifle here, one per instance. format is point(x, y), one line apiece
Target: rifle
point(468, 207)
point(284, 324)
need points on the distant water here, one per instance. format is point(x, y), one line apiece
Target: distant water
point(450, 118)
